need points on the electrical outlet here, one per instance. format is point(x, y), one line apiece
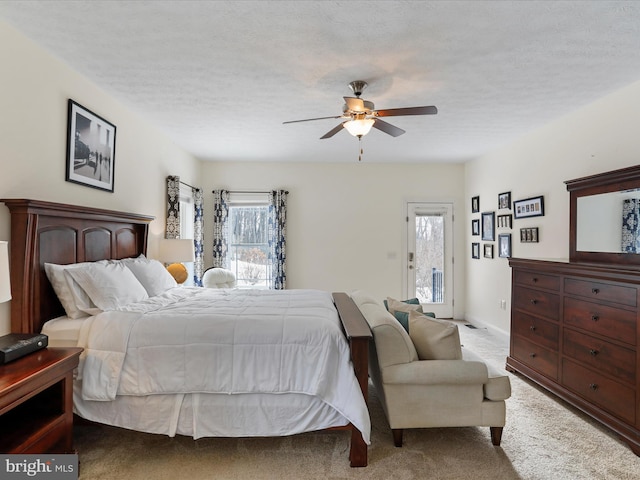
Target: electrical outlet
point(503, 304)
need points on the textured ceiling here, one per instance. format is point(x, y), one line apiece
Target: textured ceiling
point(220, 77)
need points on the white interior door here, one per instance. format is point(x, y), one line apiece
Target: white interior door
point(429, 262)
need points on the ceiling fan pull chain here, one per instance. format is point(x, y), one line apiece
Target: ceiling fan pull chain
point(361, 150)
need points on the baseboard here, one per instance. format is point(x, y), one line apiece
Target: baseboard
point(501, 334)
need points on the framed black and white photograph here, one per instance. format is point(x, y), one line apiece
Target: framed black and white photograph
point(475, 227)
point(529, 235)
point(91, 148)
point(488, 226)
point(475, 250)
point(504, 245)
point(529, 207)
point(488, 250)
point(475, 204)
point(504, 200)
point(504, 221)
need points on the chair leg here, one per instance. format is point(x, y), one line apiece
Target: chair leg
point(397, 436)
point(496, 435)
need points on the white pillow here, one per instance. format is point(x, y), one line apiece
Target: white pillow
point(151, 274)
point(73, 298)
point(434, 339)
point(109, 286)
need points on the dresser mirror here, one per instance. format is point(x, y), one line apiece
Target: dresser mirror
point(605, 217)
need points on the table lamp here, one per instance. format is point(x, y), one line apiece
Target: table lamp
point(173, 252)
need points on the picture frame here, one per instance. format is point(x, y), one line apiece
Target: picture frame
point(504, 245)
point(504, 200)
point(529, 235)
point(475, 204)
point(504, 221)
point(529, 207)
point(91, 148)
point(489, 226)
point(475, 250)
point(475, 226)
point(488, 250)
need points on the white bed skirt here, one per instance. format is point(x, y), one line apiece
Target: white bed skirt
point(212, 415)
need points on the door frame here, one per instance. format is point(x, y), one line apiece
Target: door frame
point(450, 248)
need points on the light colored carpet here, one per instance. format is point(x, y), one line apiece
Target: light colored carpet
point(543, 439)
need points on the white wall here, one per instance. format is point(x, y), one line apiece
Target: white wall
point(33, 129)
point(346, 223)
point(600, 137)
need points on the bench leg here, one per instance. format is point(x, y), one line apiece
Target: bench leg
point(496, 435)
point(397, 436)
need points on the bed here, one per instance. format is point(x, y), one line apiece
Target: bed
point(61, 234)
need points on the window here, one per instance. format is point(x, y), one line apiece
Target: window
point(248, 254)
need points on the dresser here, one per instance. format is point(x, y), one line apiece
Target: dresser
point(575, 331)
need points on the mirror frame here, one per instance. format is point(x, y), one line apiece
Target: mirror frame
point(613, 181)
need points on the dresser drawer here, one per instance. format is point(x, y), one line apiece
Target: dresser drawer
point(533, 279)
point(537, 302)
point(539, 358)
point(600, 355)
point(607, 321)
point(607, 394)
point(601, 292)
point(535, 329)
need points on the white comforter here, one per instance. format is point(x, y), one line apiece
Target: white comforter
point(199, 340)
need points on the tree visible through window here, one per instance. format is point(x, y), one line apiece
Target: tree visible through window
point(249, 245)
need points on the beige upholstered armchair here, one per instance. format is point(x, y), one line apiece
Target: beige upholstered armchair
point(457, 391)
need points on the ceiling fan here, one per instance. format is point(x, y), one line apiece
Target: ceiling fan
point(360, 115)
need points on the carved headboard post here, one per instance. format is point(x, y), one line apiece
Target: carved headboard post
point(46, 232)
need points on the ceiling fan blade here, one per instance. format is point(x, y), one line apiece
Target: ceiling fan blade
point(397, 112)
point(333, 131)
point(387, 128)
point(354, 104)
point(312, 119)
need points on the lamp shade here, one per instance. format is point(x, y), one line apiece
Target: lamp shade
point(176, 250)
point(359, 127)
point(5, 284)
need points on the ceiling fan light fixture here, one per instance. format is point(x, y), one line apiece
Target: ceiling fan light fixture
point(359, 127)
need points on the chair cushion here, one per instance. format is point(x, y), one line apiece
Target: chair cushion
point(434, 339)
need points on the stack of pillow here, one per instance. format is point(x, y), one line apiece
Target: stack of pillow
point(434, 339)
point(89, 288)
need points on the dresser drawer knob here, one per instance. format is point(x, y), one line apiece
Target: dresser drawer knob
point(532, 355)
point(534, 301)
point(593, 386)
point(595, 318)
point(593, 352)
point(532, 328)
point(595, 291)
point(534, 280)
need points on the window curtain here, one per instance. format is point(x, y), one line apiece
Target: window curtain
point(630, 225)
point(173, 222)
point(278, 238)
point(220, 237)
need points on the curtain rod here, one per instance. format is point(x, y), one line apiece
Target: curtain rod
point(190, 186)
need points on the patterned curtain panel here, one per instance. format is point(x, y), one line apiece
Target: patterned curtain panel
point(220, 217)
point(198, 265)
point(278, 238)
point(630, 228)
point(173, 207)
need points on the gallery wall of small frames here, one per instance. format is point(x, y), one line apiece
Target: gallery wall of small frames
point(501, 219)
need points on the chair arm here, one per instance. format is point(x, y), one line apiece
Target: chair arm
point(436, 372)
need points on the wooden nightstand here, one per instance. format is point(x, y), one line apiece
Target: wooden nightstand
point(36, 402)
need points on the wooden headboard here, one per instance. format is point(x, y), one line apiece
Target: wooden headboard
point(46, 232)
